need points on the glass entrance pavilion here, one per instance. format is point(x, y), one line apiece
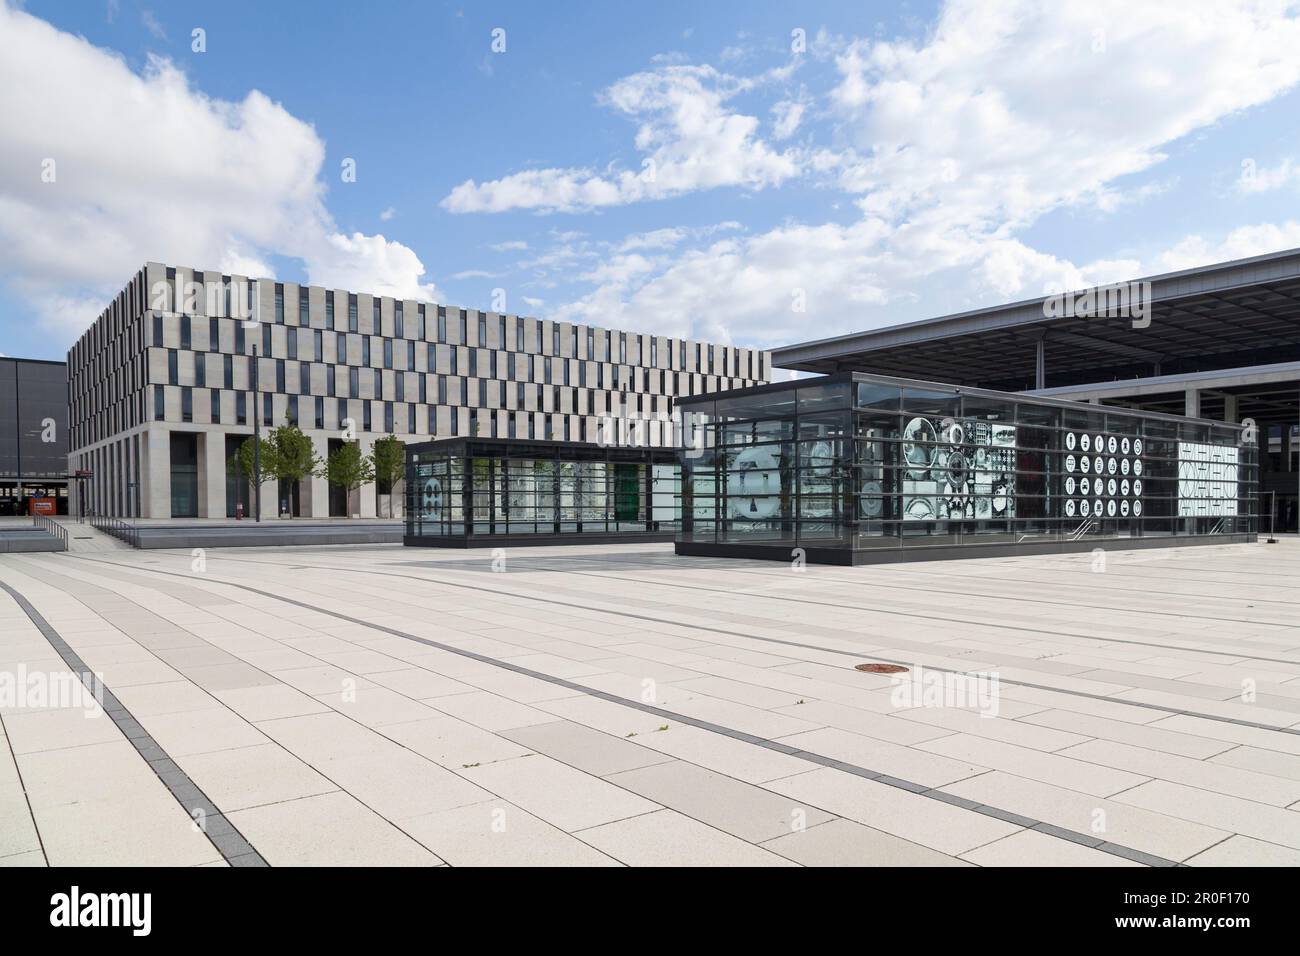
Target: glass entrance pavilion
point(853, 468)
point(469, 492)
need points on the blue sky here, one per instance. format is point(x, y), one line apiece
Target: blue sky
point(692, 168)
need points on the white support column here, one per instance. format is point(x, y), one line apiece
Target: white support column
point(157, 465)
point(316, 490)
point(367, 498)
point(1230, 409)
point(1192, 403)
point(212, 475)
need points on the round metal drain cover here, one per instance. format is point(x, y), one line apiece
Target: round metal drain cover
point(881, 668)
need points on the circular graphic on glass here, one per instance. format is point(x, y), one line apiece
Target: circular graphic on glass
point(1098, 465)
point(919, 457)
point(1069, 485)
point(1137, 487)
point(1069, 441)
point(1123, 508)
point(754, 483)
point(1096, 507)
point(871, 504)
point(1124, 446)
point(431, 499)
point(1085, 507)
point(1111, 508)
point(1085, 442)
point(1111, 465)
point(1137, 466)
point(1123, 466)
point(1123, 487)
point(1085, 487)
point(1137, 446)
point(1111, 444)
point(1069, 463)
point(1069, 508)
point(1137, 508)
point(1111, 486)
point(1099, 444)
point(1085, 463)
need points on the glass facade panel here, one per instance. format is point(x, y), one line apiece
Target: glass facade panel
point(856, 462)
point(524, 491)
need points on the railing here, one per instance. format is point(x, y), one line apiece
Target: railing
point(1083, 529)
point(53, 527)
point(117, 528)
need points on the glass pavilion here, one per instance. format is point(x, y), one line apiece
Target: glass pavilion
point(855, 468)
point(469, 492)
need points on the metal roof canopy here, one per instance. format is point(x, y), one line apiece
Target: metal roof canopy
point(1232, 314)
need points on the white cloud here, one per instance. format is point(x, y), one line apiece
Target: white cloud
point(1241, 243)
point(148, 168)
point(387, 214)
point(513, 245)
point(1256, 180)
point(688, 137)
point(151, 24)
point(954, 144)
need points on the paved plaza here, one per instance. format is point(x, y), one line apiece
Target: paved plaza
point(598, 706)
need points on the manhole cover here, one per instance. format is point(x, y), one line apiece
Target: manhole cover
point(881, 668)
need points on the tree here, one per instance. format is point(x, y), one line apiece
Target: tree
point(293, 458)
point(347, 468)
point(241, 462)
point(389, 457)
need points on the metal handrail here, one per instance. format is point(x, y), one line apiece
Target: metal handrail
point(117, 528)
point(45, 523)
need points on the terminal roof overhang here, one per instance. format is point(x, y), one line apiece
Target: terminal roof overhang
point(1228, 315)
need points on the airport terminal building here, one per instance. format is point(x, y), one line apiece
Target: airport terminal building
point(161, 386)
point(33, 436)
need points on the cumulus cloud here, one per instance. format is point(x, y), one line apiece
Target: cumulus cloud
point(103, 168)
point(951, 146)
point(689, 138)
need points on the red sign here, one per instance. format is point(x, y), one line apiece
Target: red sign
point(42, 506)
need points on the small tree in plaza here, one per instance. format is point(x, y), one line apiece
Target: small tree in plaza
point(241, 463)
point(293, 459)
point(347, 468)
point(389, 457)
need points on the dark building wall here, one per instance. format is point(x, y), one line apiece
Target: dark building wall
point(31, 393)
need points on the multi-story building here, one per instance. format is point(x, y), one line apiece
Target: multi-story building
point(33, 435)
point(161, 386)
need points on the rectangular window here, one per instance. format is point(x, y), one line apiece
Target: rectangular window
point(187, 326)
point(365, 350)
point(279, 375)
point(555, 340)
point(279, 304)
point(442, 324)
point(214, 413)
point(241, 344)
point(654, 352)
point(482, 393)
point(365, 417)
point(292, 341)
point(422, 327)
point(424, 387)
point(519, 335)
point(214, 336)
point(228, 371)
point(453, 360)
point(482, 330)
point(292, 410)
point(388, 417)
point(464, 328)
point(410, 356)
point(159, 403)
point(319, 341)
point(329, 380)
point(354, 382)
point(442, 390)
point(187, 404)
point(622, 348)
point(375, 317)
point(266, 341)
point(352, 313)
point(320, 413)
point(268, 411)
point(473, 363)
point(388, 353)
point(201, 371)
point(341, 349)
point(329, 309)
point(304, 379)
point(410, 419)
point(241, 408)
point(157, 330)
point(433, 420)
point(304, 313)
point(399, 321)
point(172, 371)
point(399, 383)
